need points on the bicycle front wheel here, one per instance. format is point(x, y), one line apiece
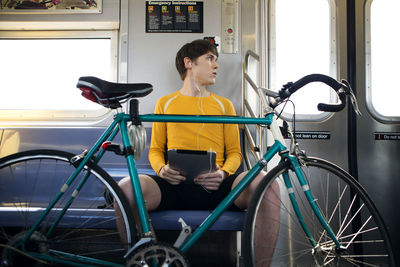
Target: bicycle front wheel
point(30, 180)
point(273, 235)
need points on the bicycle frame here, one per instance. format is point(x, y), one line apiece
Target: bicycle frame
point(120, 125)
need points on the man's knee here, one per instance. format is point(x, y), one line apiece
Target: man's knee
point(256, 182)
point(145, 182)
point(244, 199)
point(150, 190)
point(125, 185)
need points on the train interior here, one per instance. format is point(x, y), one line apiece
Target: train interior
point(261, 43)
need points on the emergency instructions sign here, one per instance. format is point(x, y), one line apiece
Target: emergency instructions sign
point(174, 16)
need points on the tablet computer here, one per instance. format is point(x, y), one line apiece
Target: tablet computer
point(191, 163)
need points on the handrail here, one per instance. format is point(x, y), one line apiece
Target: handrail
point(255, 150)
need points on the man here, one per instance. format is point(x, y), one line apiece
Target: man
point(197, 65)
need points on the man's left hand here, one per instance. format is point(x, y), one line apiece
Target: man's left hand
point(212, 180)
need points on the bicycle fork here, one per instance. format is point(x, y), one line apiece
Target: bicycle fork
point(312, 202)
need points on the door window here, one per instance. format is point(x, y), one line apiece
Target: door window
point(302, 42)
point(382, 59)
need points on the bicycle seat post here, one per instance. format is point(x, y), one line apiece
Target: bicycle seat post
point(134, 111)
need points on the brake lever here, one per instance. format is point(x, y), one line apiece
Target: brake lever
point(352, 97)
point(354, 103)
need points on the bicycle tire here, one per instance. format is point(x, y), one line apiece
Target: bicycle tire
point(345, 205)
point(30, 180)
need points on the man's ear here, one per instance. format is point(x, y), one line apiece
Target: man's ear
point(188, 63)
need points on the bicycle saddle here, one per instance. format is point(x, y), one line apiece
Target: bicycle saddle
point(110, 94)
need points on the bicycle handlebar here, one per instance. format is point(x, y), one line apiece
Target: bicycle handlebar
point(334, 107)
point(315, 78)
point(290, 88)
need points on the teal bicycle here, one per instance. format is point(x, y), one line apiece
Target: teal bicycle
point(324, 216)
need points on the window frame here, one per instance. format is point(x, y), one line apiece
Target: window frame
point(368, 71)
point(62, 117)
point(333, 58)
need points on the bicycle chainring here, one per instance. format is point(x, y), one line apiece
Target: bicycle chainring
point(156, 254)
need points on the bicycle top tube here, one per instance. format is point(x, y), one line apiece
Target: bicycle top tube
point(201, 118)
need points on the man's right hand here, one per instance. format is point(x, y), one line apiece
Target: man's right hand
point(172, 176)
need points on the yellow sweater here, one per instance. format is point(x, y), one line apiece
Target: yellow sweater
point(221, 138)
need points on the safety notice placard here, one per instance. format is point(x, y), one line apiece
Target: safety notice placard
point(174, 16)
point(310, 135)
point(387, 136)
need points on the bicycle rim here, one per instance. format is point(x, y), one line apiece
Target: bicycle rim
point(279, 240)
point(30, 180)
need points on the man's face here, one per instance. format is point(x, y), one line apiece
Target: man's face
point(205, 69)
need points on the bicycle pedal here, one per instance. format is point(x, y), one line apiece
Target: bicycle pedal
point(185, 232)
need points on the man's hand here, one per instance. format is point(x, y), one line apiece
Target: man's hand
point(211, 181)
point(172, 176)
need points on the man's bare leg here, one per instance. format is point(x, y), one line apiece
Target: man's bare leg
point(151, 194)
point(268, 220)
point(267, 226)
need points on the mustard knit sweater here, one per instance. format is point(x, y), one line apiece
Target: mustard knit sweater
point(221, 138)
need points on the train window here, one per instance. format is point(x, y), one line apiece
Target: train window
point(382, 59)
point(302, 42)
point(40, 70)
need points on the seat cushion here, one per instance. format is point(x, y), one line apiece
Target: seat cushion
point(168, 219)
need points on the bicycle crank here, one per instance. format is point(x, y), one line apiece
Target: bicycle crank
point(156, 254)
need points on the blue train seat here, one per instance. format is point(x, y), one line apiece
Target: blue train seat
point(168, 219)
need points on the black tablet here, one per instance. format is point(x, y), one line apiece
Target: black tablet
point(191, 163)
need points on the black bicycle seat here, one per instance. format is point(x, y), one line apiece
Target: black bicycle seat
point(110, 94)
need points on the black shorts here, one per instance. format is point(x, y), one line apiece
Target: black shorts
point(192, 196)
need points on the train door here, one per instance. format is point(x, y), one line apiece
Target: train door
point(343, 39)
point(374, 59)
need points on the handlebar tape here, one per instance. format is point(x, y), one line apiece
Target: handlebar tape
point(293, 87)
point(315, 78)
point(333, 107)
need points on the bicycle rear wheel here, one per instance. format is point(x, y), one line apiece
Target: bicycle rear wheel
point(278, 240)
point(30, 180)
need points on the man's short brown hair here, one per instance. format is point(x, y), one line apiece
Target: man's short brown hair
point(193, 50)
